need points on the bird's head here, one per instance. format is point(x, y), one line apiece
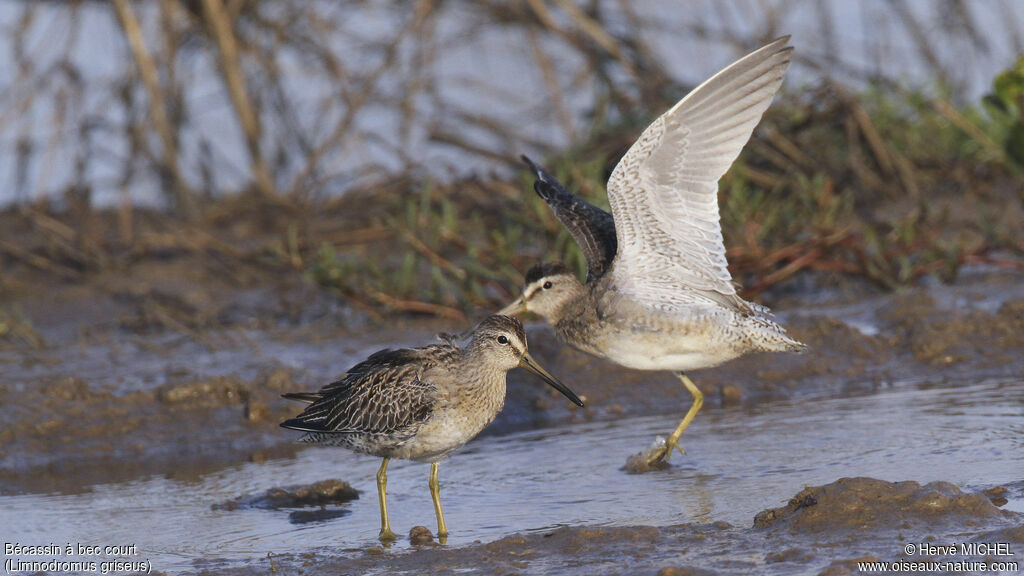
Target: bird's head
point(501, 340)
point(548, 289)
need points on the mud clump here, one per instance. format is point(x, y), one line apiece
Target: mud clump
point(789, 555)
point(638, 464)
point(685, 572)
point(937, 336)
point(642, 462)
point(280, 380)
point(997, 495)
point(730, 395)
point(1013, 534)
point(256, 411)
point(585, 539)
point(824, 333)
point(323, 493)
point(213, 392)
point(871, 504)
point(847, 566)
point(69, 389)
point(420, 536)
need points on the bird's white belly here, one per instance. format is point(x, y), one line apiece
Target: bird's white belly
point(653, 351)
point(442, 435)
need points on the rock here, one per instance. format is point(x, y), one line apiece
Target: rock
point(280, 380)
point(689, 571)
point(212, 392)
point(731, 395)
point(868, 503)
point(997, 495)
point(420, 535)
point(256, 411)
point(317, 494)
point(638, 463)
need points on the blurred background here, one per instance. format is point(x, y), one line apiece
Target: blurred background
point(253, 121)
point(158, 103)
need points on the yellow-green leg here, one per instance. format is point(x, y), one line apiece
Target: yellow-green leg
point(665, 452)
point(382, 484)
point(435, 493)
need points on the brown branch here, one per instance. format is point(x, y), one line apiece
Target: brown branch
point(871, 135)
point(354, 104)
point(598, 34)
point(157, 109)
point(786, 271)
point(35, 260)
point(994, 261)
point(431, 255)
point(417, 306)
point(957, 119)
point(550, 78)
point(231, 68)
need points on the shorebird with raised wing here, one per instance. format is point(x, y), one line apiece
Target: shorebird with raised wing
point(420, 403)
point(658, 294)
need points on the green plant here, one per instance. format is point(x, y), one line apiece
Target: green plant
point(1006, 107)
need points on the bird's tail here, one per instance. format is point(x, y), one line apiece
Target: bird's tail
point(308, 397)
point(771, 337)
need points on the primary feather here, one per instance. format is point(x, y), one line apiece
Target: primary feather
point(592, 228)
point(664, 191)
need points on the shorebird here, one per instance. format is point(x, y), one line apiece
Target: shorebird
point(420, 403)
point(658, 294)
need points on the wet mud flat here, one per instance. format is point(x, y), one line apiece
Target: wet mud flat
point(111, 404)
point(846, 527)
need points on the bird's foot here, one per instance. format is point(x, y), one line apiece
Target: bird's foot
point(654, 458)
point(661, 451)
point(386, 535)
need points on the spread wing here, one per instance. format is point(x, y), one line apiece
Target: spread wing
point(381, 395)
point(664, 191)
point(592, 228)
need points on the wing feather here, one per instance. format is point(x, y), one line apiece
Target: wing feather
point(664, 191)
point(591, 227)
point(384, 394)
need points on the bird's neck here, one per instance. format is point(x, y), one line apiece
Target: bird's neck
point(575, 315)
point(482, 390)
point(487, 378)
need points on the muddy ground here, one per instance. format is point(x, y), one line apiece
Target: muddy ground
point(119, 379)
point(103, 386)
point(834, 528)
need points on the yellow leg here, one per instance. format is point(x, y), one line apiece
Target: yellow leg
point(435, 493)
point(382, 484)
point(673, 439)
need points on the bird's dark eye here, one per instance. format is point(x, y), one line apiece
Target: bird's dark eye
point(502, 340)
point(547, 285)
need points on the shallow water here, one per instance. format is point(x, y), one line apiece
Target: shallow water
point(739, 462)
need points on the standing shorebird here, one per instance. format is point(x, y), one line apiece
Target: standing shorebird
point(419, 403)
point(658, 295)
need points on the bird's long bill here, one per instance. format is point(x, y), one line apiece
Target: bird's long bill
point(531, 365)
point(517, 307)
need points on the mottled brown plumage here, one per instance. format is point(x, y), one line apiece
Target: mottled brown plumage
point(419, 403)
point(378, 405)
